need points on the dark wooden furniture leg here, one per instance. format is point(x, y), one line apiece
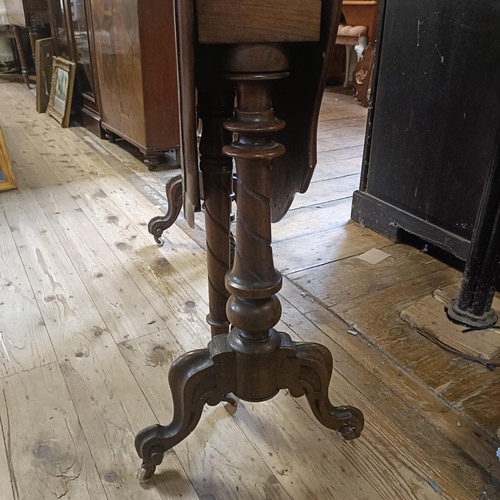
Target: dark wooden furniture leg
point(173, 191)
point(22, 55)
point(152, 159)
point(217, 170)
point(253, 361)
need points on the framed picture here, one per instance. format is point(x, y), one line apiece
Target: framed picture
point(7, 180)
point(44, 54)
point(61, 90)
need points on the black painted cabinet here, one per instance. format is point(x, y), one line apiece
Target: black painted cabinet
point(434, 121)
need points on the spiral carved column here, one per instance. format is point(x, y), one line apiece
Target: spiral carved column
point(253, 308)
point(217, 169)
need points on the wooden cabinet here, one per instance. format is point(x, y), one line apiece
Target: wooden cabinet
point(134, 53)
point(73, 39)
point(433, 130)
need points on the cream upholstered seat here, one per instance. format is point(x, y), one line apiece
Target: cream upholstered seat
point(354, 38)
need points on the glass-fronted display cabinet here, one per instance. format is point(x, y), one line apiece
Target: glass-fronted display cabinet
point(72, 31)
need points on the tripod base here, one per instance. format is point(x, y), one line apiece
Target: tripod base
point(220, 373)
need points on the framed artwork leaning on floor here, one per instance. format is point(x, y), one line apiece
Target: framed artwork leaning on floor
point(61, 90)
point(7, 180)
point(44, 56)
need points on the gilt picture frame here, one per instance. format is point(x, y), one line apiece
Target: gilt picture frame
point(61, 90)
point(7, 180)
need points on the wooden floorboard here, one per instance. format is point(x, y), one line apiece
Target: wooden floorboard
point(92, 313)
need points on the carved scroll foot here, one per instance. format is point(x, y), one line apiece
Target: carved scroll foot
point(314, 374)
point(173, 191)
point(196, 378)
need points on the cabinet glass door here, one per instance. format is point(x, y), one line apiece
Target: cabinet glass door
point(84, 75)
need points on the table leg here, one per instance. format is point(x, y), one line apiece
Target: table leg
point(217, 170)
point(22, 55)
point(253, 361)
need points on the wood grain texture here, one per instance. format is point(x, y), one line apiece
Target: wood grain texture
point(431, 417)
point(365, 279)
point(406, 400)
point(47, 451)
point(428, 315)
point(24, 341)
point(327, 190)
point(249, 21)
point(313, 218)
point(138, 94)
point(305, 252)
point(123, 306)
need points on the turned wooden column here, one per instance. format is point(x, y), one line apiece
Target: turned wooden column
point(253, 308)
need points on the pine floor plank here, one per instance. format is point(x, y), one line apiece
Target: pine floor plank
point(123, 306)
point(290, 441)
point(370, 468)
point(383, 380)
point(433, 460)
point(24, 341)
point(8, 486)
point(341, 127)
point(136, 207)
point(327, 190)
point(48, 454)
point(483, 405)
point(385, 328)
point(327, 144)
point(426, 315)
point(110, 405)
point(175, 288)
point(347, 283)
point(308, 220)
point(430, 417)
point(337, 106)
point(312, 250)
point(332, 166)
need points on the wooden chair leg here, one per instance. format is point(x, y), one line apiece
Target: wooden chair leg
point(22, 55)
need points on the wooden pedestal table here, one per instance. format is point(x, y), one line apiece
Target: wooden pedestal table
point(252, 361)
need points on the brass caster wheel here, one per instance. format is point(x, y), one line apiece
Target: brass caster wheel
point(146, 473)
point(159, 240)
point(348, 432)
point(231, 399)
